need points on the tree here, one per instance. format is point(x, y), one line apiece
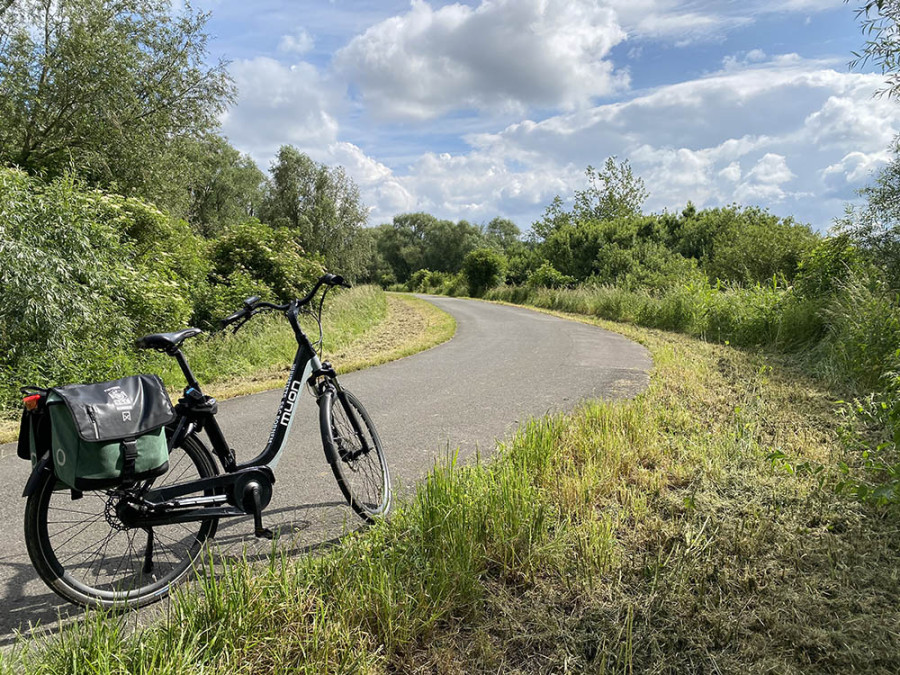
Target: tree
point(874, 228)
point(503, 233)
point(417, 241)
point(321, 204)
point(484, 268)
point(447, 244)
point(105, 87)
point(879, 19)
point(613, 192)
point(223, 188)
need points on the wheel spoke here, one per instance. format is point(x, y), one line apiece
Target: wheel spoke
point(100, 557)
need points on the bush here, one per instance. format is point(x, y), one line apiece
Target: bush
point(272, 257)
point(484, 268)
point(82, 274)
point(547, 276)
point(863, 334)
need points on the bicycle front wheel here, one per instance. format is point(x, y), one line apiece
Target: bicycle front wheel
point(87, 555)
point(354, 451)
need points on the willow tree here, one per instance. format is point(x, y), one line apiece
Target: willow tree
point(105, 88)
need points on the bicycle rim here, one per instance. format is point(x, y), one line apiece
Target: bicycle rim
point(360, 467)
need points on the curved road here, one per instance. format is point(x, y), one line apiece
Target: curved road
point(503, 366)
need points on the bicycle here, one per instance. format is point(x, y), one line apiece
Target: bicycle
point(127, 546)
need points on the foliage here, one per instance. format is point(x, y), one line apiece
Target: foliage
point(224, 187)
point(626, 251)
point(740, 245)
point(828, 265)
point(503, 234)
point(416, 241)
point(879, 19)
point(874, 228)
point(484, 268)
point(444, 283)
point(274, 257)
point(321, 205)
point(107, 86)
point(69, 256)
point(613, 192)
point(546, 276)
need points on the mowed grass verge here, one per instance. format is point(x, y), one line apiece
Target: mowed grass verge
point(363, 327)
point(642, 536)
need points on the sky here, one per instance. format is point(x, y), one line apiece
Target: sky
point(472, 110)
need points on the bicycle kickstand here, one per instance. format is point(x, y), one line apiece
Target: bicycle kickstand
point(259, 530)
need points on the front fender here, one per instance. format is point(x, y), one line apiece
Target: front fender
point(44, 464)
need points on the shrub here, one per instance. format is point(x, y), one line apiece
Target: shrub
point(547, 276)
point(82, 273)
point(484, 268)
point(272, 257)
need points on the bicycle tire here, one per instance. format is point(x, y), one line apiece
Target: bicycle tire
point(109, 572)
point(363, 476)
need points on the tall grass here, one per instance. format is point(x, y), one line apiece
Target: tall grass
point(850, 337)
point(642, 536)
point(267, 343)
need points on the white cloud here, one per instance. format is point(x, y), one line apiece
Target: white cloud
point(765, 180)
point(297, 43)
point(688, 141)
point(731, 173)
point(502, 54)
point(785, 120)
point(279, 105)
point(854, 170)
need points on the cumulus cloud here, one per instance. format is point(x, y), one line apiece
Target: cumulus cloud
point(688, 141)
point(296, 43)
point(760, 133)
point(764, 181)
point(854, 170)
point(506, 54)
point(278, 105)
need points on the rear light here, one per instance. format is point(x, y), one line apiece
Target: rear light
point(31, 402)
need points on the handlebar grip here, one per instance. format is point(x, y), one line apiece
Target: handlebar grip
point(338, 280)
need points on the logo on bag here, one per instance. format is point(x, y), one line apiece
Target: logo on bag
point(60, 457)
point(126, 416)
point(120, 400)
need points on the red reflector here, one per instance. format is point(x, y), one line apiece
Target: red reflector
point(31, 402)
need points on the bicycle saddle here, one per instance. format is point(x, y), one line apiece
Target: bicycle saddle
point(166, 342)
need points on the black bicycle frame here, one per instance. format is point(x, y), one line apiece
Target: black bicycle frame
point(306, 365)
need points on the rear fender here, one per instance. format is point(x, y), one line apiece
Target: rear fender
point(44, 465)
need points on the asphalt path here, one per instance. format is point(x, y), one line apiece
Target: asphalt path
point(503, 366)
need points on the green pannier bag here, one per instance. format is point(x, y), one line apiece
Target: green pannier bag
point(109, 433)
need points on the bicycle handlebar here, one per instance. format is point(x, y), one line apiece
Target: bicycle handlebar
point(253, 305)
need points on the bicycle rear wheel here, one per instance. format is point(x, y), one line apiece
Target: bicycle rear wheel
point(354, 451)
point(85, 554)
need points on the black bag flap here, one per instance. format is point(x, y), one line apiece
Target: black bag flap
point(23, 450)
point(108, 411)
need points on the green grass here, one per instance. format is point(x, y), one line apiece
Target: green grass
point(361, 330)
point(267, 343)
point(650, 535)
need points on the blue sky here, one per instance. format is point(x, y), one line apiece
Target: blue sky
point(491, 107)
